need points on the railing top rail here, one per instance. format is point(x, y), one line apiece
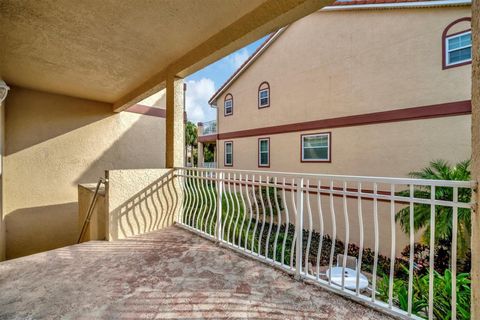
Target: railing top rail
point(371, 179)
point(209, 122)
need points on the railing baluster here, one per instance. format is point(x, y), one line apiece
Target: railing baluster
point(214, 203)
point(360, 250)
point(227, 211)
point(279, 221)
point(432, 253)
point(454, 252)
point(262, 202)
point(376, 245)
point(295, 234)
point(392, 247)
point(269, 202)
point(232, 206)
point(238, 211)
point(191, 198)
point(250, 210)
point(257, 215)
point(347, 232)
point(244, 208)
point(310, 227)
point(299, 227)
point(334, 233)
point(287, 219)
point(320, 218)
point(204, 202)
point(412, 245)
point(218, 230)
point(210, 202)
point(198, 209)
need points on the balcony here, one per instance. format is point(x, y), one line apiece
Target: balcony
point(207, 132)
point(208, 128)
point(237, 236)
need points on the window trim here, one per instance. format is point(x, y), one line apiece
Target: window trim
point(329, 135)
point(260, 165)
point(225, 154)
point(447, 49)
point(260, 89)
point(228, 97)
point(445, 36)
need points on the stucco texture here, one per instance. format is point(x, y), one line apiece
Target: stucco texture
point(54, 143)
point(141, 201)
point(342, 63)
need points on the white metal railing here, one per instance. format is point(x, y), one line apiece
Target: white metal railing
point(209, 127)
point(208, 165)
point(301, 223)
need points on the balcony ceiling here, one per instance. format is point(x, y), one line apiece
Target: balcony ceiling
point(118, 51)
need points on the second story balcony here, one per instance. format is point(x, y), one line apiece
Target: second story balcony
point(207, 128)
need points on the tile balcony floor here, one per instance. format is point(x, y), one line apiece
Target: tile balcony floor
point(168, 274)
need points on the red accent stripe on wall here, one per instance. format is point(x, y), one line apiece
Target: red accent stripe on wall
point(146, 110)
point(207, 138)
point(425, 112)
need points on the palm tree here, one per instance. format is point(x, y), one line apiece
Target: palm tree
point(191, 137)
point(440, 170)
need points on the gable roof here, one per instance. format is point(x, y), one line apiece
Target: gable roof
point(245, 65)
point(337, 5)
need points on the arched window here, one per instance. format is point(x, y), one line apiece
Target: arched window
point(228, 105)
point(264, 95)
point(457, 43)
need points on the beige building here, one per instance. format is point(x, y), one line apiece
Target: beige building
point(53, 143)
point(385, 94)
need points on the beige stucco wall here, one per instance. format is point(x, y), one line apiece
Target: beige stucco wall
point(388, 149)
point(332, 64)
point(140, 201)
point(55, 142)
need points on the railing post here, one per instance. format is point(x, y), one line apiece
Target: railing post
point(299, 230)
point(218, 230)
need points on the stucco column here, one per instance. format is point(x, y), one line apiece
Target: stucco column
point(200, 155)
point(475, 169)
point(175, 126)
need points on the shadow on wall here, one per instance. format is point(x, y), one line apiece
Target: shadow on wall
point(31, 230)
point(55, 142)
point(153, 208)
point(142, 145)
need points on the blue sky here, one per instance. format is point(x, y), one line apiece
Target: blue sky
point(202, 84)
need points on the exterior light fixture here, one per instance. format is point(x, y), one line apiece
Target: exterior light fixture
point(3, 90)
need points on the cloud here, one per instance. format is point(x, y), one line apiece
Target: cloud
point(196, 100)
point(238, 58)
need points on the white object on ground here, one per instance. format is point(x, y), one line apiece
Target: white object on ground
point(350, 278)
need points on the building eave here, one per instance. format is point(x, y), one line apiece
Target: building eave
point(260, 50)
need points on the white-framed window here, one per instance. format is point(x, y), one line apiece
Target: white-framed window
point(316, 147)
point(264, 98)
point(228, 105)
point(264, 152)
point(458, 48)
point(228, 153)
